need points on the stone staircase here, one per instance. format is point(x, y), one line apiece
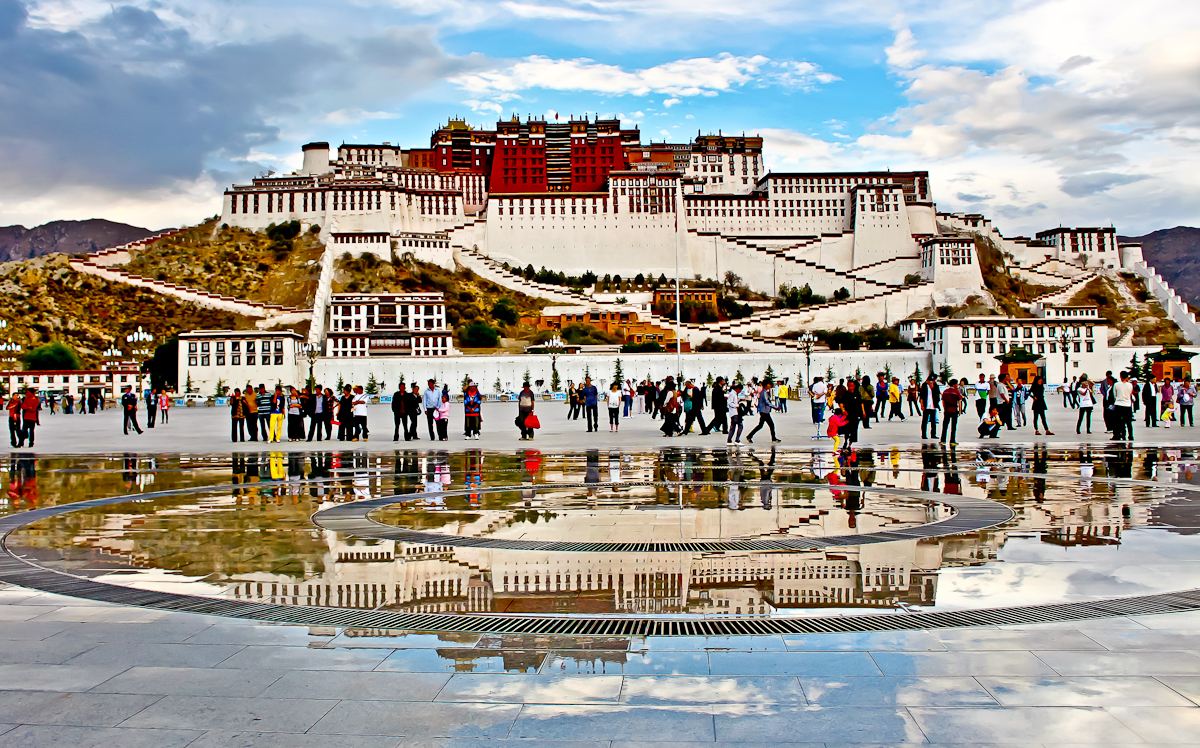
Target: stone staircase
point(782, 253)
point(104, 264)
point(486, 267)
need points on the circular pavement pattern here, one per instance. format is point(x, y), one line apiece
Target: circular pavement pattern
point(971, 514)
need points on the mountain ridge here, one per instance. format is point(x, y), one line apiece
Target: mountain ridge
point(66, 237)
point(1175, 254)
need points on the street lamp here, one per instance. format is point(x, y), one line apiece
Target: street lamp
point(1065, 338)
point(10, 351)
point(807, 341)
point(139, 343)
point(112, 354)
point(311, 351)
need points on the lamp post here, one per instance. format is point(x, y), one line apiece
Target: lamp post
point(807, 342)
point(311, 351)
point(139, 343)
point(9, 352)
point(1065, 338)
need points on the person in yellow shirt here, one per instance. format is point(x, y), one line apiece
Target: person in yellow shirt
point(781, 394)
point(278, 411)
point(894, 394)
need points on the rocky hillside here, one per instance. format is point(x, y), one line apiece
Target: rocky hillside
point(44, 300)
point(68, 237)
point(1175, 253)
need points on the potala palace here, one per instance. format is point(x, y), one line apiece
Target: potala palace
point(588, 195)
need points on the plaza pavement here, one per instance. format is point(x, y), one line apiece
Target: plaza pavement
point(78, 673)
point(205, 429)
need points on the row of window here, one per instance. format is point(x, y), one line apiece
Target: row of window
point(236, 359)
point(235, 346)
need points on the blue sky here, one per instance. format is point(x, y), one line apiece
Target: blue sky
point(1035, 112)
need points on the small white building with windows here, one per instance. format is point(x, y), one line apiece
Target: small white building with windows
point(236, 357)
point(388, 324)
point(969, 346)
point(108, 382)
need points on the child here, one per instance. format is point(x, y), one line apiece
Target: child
point(1168, 415)
point(836, 422)
point(442, 418)
point(613, 400)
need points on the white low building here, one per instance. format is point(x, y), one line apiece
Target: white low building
point(970, 346)
point(238, 357)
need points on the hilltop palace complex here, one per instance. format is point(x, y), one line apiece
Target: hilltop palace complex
point(588, 195)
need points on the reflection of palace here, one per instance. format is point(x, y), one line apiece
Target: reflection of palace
point(428, 578)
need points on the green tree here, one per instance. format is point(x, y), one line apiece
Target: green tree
point(372, 387)
point(164, 365)
point(769, 373)
point(945, 372)
point(841, 294)
point(917, 372)
point(504, 311)
point(738, 377)
point(555, 379)
point(52, 356)
point(340, 384)
point(478, 334)
point(525, 377)
point(221, 388)
point(646, 346)
point(1135, 367)
point(497, 385)
point(618, 372)
point(188, 387)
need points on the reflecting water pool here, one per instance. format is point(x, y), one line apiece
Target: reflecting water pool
point(482, 532)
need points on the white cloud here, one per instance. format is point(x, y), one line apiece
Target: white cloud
point(668, 103)
point(352, 115)
point(551, 12)
point(696, 76)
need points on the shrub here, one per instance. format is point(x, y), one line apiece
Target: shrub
point(716, 346)
point(505, 311)
point(649, 346)
point(478, 335)
point(52, 356)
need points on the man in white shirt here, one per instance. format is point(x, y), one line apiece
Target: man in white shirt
point(1123, 408)
point(360, 413)
point(817, 392)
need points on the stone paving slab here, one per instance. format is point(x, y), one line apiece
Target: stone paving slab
point(189, 681)
point(56, 677)
point(418, 720)
point(80, 709)
point(370, 686)
point(56, 736)
point(232, 713)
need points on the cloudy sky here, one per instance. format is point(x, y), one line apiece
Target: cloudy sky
point(1035, 112)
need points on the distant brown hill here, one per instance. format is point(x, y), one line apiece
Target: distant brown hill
point(67, 237)
point(1175, 254)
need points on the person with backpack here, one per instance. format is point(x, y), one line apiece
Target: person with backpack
point(525, 415)
point(764, 408)
point(472, 411)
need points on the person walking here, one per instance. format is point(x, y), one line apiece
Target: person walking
point(764, 407)
point(736, 409)
point(1037, 396)
point(913, 397)
point(472, 411)
point(238, 410)
point(591, 403)
point(151, 407)
point(693, 405)
point(1122, 402)
point(1085, 396)
point(952, 405)
point(850, 400)
point(895, 401)
point(670, 405)
point(574, 401)
point(720, 407)
point(31, 406)
point(613, 401)
point(431, 398)
point(818, 393)
point(129, 408)
point(931, 402)
point(398, 414)
point(16, 434)
point(412, 409)
point(880, 395)
point(1150, 402)
point(627, 397)
point(525, 411)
